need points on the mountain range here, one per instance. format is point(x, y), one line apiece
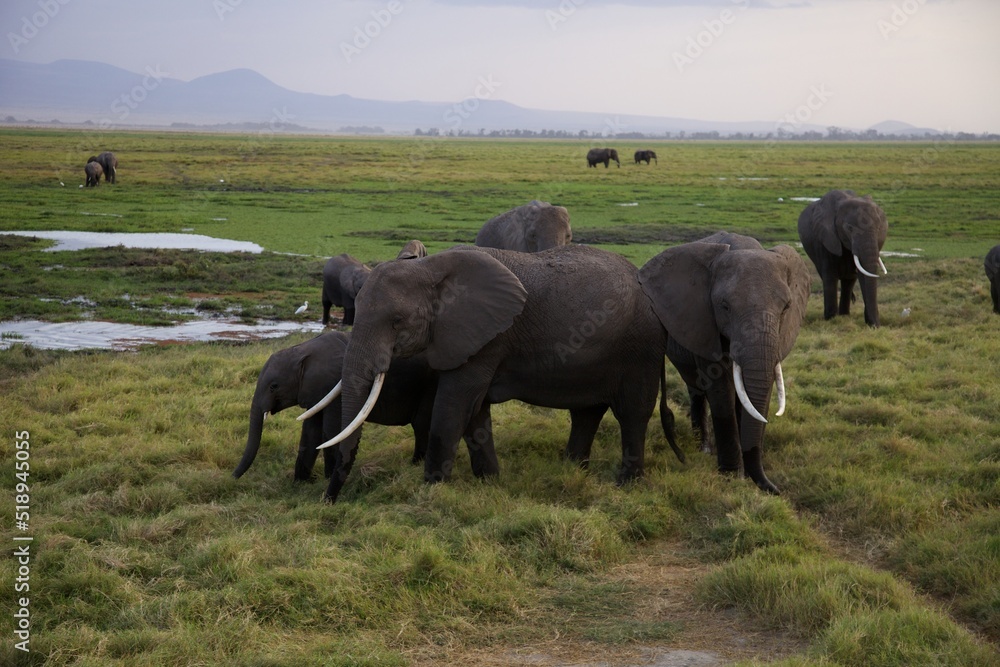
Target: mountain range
point(77, 91)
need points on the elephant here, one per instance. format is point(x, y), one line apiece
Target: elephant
point(302, 374)
point(93, 171)
point(528, 228)
point(567, 328)
point(343, 277)
point(645, 156)
point(412, 250)
point(992, 266)
point(843, 234)
point(605, 155)
point(733, 311)
point(109, 163)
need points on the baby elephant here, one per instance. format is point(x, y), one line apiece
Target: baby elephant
point(645, 156)
point(992, 266)
point(530, 228)
point(93, 171)
point(305, 373)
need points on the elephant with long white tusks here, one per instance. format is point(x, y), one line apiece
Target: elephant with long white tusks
point(843, 235)
point(733, 311)
point(567, 328)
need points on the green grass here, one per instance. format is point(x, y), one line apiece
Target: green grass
point(882, 550)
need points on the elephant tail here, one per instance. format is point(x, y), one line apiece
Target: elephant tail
point(667, 416)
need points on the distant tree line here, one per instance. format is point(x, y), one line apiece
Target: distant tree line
point(832, 133)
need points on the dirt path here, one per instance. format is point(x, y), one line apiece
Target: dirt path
point(707, 637)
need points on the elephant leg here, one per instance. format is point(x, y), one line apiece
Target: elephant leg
point(312, 433)
point(584, 423)
point(348, 316)
point(830, 283)
point(725, 423)
point(699, 418)
point(633, 428)
point(846, 295)
point(995, 293)
point(456, 402)
point(327, 304)
point(479, 440)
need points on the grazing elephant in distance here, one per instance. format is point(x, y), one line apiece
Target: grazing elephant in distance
point(605, 155)
point(109, 163)
point(646, 156)
point(733, 311)
point(343, 277)
point(843, 235)
point(302, 374)
point(412, 250)
point(93, 171)
point(992, 266)
point(567, 328)
point(529, 228)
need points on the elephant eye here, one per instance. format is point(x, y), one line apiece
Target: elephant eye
point(273, 386)
point(397, 321)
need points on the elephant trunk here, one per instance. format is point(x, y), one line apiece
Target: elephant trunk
point(257, 415)
point(364, 369)
point(757, 380)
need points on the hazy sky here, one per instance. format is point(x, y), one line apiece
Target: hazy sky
point(851, 63)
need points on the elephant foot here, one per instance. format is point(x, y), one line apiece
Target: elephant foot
point(626, 477)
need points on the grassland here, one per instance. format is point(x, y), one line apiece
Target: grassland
point(882, 550)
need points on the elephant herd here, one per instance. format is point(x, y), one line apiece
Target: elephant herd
point(105, 164)
point(525, 314)
point(596, 156)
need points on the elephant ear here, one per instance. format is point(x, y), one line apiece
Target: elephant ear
point(476, 298)
point(824, 224)
point(679, 283)
point(799, 282)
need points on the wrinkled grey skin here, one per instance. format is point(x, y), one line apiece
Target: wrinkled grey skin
point(529, 228)
point(93, 171)
point(727, 299)
point(109, 163)
point(566, 328)
point(303, 374)
point(833, 230)
point(597, 155)
point(343, 277)
point(412, 250)
point(992, 266)
point(645, 156)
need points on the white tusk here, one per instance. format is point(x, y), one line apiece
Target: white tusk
point(857, 263)
point(360, 419)
point(323, 402)
point(265, 416)
point(881, 264)
point(742, 393)
point(779, 380)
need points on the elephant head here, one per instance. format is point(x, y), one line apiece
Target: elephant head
point(613, 154)
point(298, 375)
point(532, 227)
point(449, 305)
point(738, 307)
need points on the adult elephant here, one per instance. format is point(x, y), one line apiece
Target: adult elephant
point(645, 156)
point(109, 163)
point(992, 266)
point(343, 277)
point(93, 172)
point(528, 228)
point(733, 311)
point(566, 328)
point(843, 234)
point(302, 374)
point(597, 155)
